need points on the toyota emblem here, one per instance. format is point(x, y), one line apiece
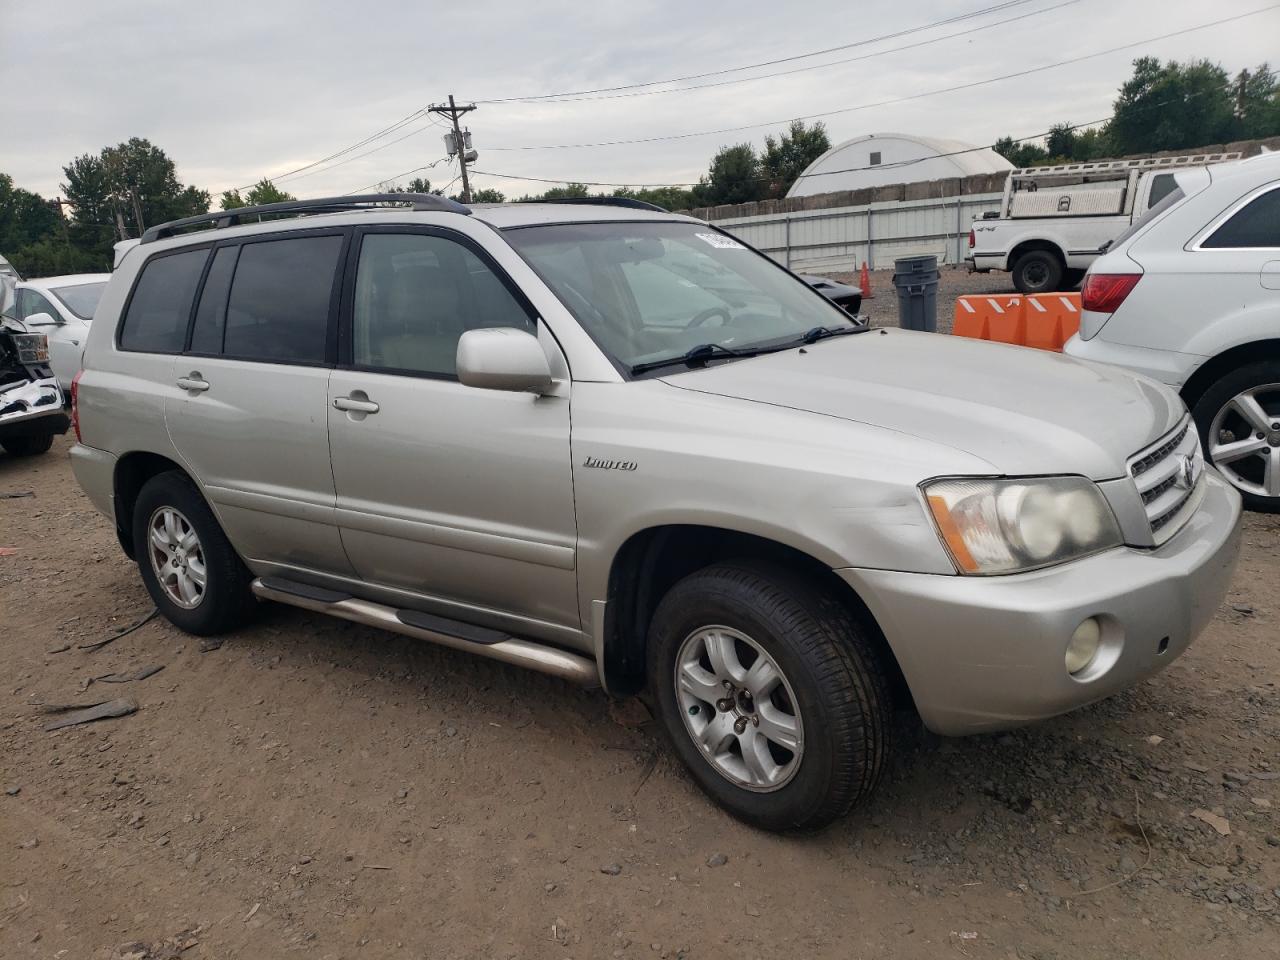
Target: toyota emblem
point(1186, 476)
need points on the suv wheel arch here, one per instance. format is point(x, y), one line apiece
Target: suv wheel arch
point(1213, 369)
point(132, 472)
point(652, 561)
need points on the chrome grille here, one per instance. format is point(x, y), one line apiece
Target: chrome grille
point(1169, 476)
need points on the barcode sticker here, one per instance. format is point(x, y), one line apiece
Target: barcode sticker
point(720, 241)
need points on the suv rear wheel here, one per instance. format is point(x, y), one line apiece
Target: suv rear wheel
point(28, 446)
point(188, 565)
point(771, 694)
point(1239, 423)
point(1037, 271)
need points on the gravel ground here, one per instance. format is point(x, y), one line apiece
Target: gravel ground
point(314, 787)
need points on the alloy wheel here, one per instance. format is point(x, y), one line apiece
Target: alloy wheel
point(738, 708)
point(177, 557)
point(1244, 440)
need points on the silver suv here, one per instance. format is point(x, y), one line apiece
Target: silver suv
point(619, 446)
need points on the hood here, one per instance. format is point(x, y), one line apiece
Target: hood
point(1021, 410)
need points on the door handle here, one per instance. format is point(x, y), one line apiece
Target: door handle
point(355, 405)
point(193, 382)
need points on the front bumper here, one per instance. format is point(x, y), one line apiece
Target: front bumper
point(32, 409)
point(986, 653)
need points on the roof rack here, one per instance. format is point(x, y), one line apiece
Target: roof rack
point(631, 202)
point(232, 218)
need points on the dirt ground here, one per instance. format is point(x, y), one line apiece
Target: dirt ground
point(312, 787)
point(882, 306)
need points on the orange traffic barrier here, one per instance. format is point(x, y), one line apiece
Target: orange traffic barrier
point(1044, 321)
point(1052, 319)
point(864, 281)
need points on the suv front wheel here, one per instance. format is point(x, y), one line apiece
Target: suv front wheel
point(771, 694)
point(189, 567)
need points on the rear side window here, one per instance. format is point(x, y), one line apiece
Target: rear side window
point(1162, 185)
point(211, 314)
point(156, 319)
point(278, 310)
point(1257, 224)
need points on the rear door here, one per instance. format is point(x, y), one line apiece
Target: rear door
point(248, 409)
point(460, 495)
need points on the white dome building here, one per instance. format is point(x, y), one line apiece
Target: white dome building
point(880, 158)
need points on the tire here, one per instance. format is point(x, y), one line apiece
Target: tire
point(1071, 279)
point(1037, 271)
point(830, 681)
point(224, 601)
point(28, 446)
point(1223, 416)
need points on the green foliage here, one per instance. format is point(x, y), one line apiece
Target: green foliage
point(669, 198)
point(52, 257)
point(1165, 106)
point(488, 195)
point(264, 191)
point(32, 235)
point(734, 177)
point(785, 158)
point(416, 185)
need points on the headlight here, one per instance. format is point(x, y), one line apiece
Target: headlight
point(1006, 526)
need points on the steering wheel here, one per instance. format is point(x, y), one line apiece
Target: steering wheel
point(707, 314)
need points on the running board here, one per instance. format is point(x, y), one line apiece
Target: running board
point(448, 633)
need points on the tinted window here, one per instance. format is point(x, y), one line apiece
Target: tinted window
point(1161, 186)
point(1257, 225)
point(161, 303)
point(279, 306)
point(416, 295)
point(30, 303)
point(82, 299)
point(211, 314)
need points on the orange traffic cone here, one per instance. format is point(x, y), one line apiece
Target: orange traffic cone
point(864, 281)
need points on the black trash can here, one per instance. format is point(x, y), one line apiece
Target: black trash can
point(916, 280)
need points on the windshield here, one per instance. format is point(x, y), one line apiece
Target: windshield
point(81, 299)
point(648, 292)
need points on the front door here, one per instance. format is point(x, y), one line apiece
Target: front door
point(460, 495)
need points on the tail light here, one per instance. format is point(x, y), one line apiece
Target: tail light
point(75, 405)
point(1104, 292)
point(973, 240)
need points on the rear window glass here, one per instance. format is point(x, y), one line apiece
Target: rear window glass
point(156, 321)
point(1170, 199)
point(1256, 225)
point(81, 299)
point(211, 314)
point(279, 305)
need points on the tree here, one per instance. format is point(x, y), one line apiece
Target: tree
point(488, 195)
point(785, 158)
point(264, 191)
point(734, 177)
point(416, 185)
point(33, 236)
point(121, 191)
point(1257, 103)
point(1172, 106)
point(1022, 154)
point(669, 198)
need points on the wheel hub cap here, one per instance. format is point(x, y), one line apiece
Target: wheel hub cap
point(177, 558)
point(1244, 440)
point(739, 708)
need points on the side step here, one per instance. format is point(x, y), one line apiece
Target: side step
point(424, 626)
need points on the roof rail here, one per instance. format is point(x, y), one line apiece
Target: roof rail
point(232, 218)
point(631, 202)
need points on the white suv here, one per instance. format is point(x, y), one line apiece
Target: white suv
point(1190, 295)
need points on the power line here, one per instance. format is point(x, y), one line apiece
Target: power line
point(894, 100)
point(767, 63)
point(820, 66)
point(375, 183)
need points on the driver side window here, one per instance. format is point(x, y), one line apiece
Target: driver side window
point(416, 294)
point(30, 303)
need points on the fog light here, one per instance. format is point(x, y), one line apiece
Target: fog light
point(1083, 646)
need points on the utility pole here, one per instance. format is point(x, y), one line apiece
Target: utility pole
point(1244, 79)
point(137, 210)
point(460, 146)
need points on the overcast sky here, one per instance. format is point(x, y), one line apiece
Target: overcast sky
point(235, 91)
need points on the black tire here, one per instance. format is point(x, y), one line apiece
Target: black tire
point(28, 446)
point(1221, 393)
point(1071, 279)
point(840, 690)
point(226, 601)
point(1038, 271)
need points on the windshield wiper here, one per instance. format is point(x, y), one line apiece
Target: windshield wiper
point(695, 356)
point(821, 333)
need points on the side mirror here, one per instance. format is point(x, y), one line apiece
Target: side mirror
point(503, 358)
point(41, 320)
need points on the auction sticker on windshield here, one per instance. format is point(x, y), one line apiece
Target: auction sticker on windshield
point(719, 241)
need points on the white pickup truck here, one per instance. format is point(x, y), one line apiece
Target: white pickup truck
point(1055, 220)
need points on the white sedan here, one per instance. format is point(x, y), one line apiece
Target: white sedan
point(61, 308)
